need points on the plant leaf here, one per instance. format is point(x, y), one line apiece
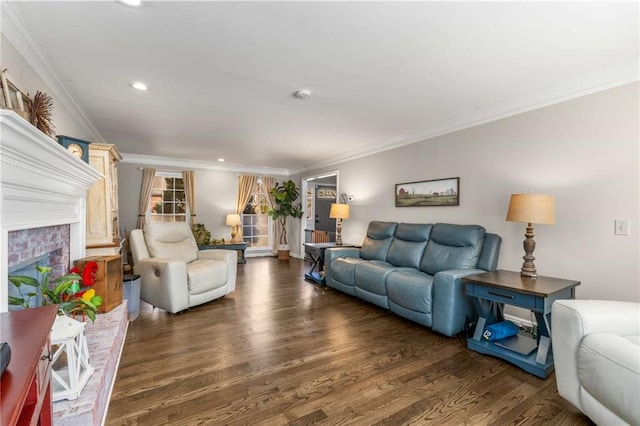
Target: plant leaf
point(18, 280)
point(16, 301)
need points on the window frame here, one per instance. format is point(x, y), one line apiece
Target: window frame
point(269, 226)
point(152, 217)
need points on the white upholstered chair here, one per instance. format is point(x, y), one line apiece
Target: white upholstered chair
point(175, 274)
point(596, 351)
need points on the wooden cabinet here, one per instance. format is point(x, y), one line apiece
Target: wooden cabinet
point(103, 234)
point(108, 280)
point(26, 384)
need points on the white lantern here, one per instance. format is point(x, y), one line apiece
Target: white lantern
point(70, 369)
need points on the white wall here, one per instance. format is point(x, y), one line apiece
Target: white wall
point(216, 195)
point(585, 152)
point(28, 81)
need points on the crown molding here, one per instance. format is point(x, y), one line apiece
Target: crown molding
point(181, 163)
point(26, 44)
point(615, 75)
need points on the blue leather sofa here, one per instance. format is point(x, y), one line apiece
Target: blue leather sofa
point(416, 270)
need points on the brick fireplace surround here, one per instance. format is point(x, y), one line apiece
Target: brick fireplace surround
point(43, 194)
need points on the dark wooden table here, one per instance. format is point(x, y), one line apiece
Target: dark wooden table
point(240, 247)
point(492, 290)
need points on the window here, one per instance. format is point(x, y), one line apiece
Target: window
point(168, 200)
point(256, 223)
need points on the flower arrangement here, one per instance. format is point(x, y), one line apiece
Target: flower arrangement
point(71, 292)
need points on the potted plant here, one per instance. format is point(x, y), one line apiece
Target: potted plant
point(285, 196)
point(72, 292)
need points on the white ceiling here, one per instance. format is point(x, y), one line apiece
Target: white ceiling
point(382, 74)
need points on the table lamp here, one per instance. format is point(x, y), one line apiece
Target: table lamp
point(233, 220)
point(530, 209)
point(339, 212)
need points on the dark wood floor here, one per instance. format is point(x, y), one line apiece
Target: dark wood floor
point(281, 350)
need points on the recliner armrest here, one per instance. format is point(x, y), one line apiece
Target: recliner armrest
point(571, 321)
point(164, 283)
point(451, 305)
point(230, 257)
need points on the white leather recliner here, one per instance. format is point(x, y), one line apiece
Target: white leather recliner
point(596, 351)
point(175, 274)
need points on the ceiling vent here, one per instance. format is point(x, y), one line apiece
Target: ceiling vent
point(303, 94)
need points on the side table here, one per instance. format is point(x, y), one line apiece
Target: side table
point(240, 247)
point(492, 290)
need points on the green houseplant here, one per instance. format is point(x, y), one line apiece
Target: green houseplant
point(72, 292)
point(285, 196)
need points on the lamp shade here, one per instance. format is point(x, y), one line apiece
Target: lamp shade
point(339, 211)
point(233, 219)
point(532, 208)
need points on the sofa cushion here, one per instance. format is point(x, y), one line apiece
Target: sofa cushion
point(410, 289)
point(452, 247)
point(170, 241)
point(206, 274)
point(408, 244)
point(376, 243)
point(371, 276)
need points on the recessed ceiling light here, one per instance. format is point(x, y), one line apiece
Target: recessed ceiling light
point(134, 3)
point(138, 85)
point(221, 160)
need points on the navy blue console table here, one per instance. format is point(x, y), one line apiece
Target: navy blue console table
point(239, 247)
point(492, 290)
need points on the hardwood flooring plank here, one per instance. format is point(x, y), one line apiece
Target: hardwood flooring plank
point(284, 351)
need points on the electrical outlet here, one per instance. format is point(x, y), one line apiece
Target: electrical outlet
point(621, 227)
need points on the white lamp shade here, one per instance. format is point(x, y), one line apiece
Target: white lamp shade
point(339, 211)
point(532, 208)
point(233, 219)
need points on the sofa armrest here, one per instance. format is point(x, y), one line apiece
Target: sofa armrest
point(230, 257)
point(334, 253)
point(451, 305)
point(571, 321)
point(164, 283)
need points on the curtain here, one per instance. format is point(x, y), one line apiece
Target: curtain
point(145, 195)
point(189, 179)
point(245, 187)
point(269, 183)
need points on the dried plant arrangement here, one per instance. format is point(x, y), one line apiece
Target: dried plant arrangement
point(41, 109)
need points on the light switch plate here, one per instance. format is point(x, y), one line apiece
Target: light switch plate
point(621, 227)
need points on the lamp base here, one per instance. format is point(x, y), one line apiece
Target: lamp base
point(529, 267)
point(528, 274)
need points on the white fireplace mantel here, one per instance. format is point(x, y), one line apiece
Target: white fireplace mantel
point(41, 184)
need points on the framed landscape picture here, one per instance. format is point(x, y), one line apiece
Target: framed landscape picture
point(439, 192)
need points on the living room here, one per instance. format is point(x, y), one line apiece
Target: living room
point(573, 133)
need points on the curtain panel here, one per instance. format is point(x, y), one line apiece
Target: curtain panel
point(189, 179)
point(269, 183)
point(145, 195)
point(245, 187)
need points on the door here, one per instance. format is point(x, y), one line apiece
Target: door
point(325, 196)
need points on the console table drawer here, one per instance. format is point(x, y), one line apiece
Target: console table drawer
point(504, 296)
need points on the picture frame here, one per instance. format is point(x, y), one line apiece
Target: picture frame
point(428, 193)
point(13, 97)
